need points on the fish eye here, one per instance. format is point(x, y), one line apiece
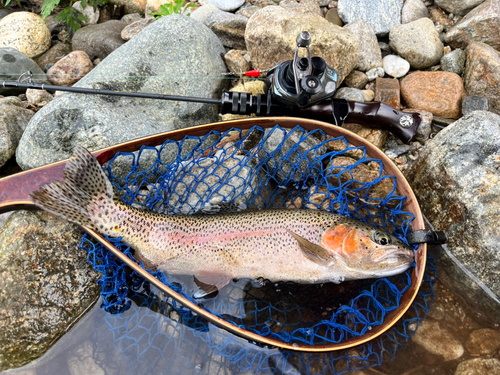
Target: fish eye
point(381, 238)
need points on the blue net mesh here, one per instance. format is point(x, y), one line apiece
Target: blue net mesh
point(258, 169)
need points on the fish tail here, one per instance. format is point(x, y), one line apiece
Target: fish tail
point(84, 190)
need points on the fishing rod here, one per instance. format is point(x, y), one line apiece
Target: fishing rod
point(302, 87)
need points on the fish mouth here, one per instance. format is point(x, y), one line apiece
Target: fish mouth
point(395, 256)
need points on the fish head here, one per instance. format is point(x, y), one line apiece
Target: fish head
point(367, 252)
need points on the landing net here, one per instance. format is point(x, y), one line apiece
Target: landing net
point(260, 169)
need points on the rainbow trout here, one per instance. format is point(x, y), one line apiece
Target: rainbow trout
point(304, 246)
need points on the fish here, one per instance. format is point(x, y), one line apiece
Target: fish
point(304, 246)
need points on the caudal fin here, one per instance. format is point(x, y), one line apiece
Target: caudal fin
point(84, 185)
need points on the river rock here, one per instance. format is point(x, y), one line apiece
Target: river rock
point(227, 5)
point(98, 41)
point(136, 27)
point(70, 69)
point(479, 366)
point(387, 91)
point(46, 284)
point(376, 136)
point(483, 342)
point(229, 27)
point(438, 340)
point(38, 97)
point(425, 127)
point(14, 63)
point(370, 55)
point(349, 93)
point(25, 31)
point(13, 120)
point(356, 79)
point(481, 25)
point(53, 55)
point(474, 103)
point(99, 121)
point(271, 39)
point(131, 18)
point(375, 73)
point(238, 61)
point(454, 62)
point(395, 66)
point(458, 7)
point(304, 6)
point(438, 92)
point(418, 42)
point(482, 74)
point(414, 10)
point(455, 180)
point(202, 13)
point(131, 6)
point(382, 15)
point(90, 13)
point(333, 16)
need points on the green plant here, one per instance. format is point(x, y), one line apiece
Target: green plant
point(8, 2)
point(170, 8)
point(69, 15)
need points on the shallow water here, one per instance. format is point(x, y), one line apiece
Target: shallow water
point(158, 340)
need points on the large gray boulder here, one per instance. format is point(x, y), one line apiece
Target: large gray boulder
point(150, 62)
point(456, 182)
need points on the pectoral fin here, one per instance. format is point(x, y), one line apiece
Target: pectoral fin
point(313, 252)
point(209, 282)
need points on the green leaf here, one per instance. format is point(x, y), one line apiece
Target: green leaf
point(84, 3)
point(178, 5)
point(70, 16)
point(48, 6)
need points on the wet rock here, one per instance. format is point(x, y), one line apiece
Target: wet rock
point(458, 7)
point(424, 129)
point(25, 31)
point(482, 74)
point(53, 55)
point(333, 16)
point(369, 51)
point(46, 284)
point(414, 10)
point(136, 27)
point(271, 39)
point(130, 6)
point(474, 103)
point(356, 79)
point(14, 63)
point(304, 6)
point(375, 73)
point(238, 61)
point(438, 340)
point(204, 12)
point(131, 18)
point(70, 69)
point(417, 42)
point(395, 66)
point(13, 120)
point(100, 121)
point(83, 361)
point(38, 97)
point(481, 25)
point(455, 180)
point(381, 15)
point(483, 342)
point(438, 92)
point(454, 62)
point(229, 27)
point(369, 95)
point(227, 5)
point(281, 150)
point(349, 93)
point(90, 13)
point(479, 366)
point(387, 91)
point(99, 40)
